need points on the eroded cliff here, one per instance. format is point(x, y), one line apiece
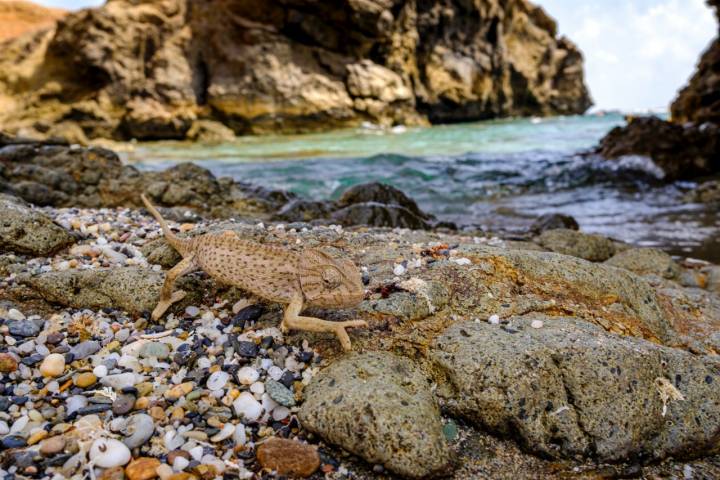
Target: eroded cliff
point(151, 70)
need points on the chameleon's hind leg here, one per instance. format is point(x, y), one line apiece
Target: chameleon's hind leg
point(167, 296)
point(294, 321)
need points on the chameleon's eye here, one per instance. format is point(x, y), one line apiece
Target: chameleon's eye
point(331, 277)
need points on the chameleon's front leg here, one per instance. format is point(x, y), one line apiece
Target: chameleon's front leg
point(167, 296)
point(294, 321)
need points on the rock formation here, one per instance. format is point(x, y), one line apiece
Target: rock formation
point(688, 145)
point(18, 17)
point(151, 70)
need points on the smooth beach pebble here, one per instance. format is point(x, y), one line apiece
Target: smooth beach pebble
point(140, 428)
point(100, 371)
point(537, 324)
point(51, 446)
point(108, 452)
point(217, 380)
point(143, 468)
point(85, 379)
point(247, 407)
point(247, 375)
point(53, 365)
point(8, 364)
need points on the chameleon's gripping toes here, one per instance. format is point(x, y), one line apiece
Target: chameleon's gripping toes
point(310, 278)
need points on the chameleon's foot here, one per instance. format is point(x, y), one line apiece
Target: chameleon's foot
point(342, 334)
point(163, 305)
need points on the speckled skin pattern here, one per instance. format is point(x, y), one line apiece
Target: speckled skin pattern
point(309, 278)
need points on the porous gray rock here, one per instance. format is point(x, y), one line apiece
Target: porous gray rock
point(594, 248)
point(378, 406)
point(646, 261)
point(568, 388)
point(26, 230)
point(133, 289)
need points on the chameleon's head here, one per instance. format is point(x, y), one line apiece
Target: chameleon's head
point(327, 281)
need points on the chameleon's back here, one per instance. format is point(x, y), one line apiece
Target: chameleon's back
point(266, 271)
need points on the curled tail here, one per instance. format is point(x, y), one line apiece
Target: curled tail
point(182, 245)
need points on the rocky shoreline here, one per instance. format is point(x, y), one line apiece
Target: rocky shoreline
point(566, 355)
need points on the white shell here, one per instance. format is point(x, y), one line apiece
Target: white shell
point(108, 453)
point(227, 430)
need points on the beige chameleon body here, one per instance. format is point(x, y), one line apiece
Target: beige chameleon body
point(308, 278)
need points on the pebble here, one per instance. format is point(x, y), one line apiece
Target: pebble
point(115, 473)
point(13, 441)
point(158, 350)
point(85, 379)
point(51, 446)
point(223, 434)
point(179, 390)
point(53, 365)
point(23, 328)
point(85, 349)
point(100, 371)
point(119, 381)
point(536, 324)
point(288, 457)
point(217, 380)
point(192, 311)
point(15, 314)
point(494, 320)
point(108, 453)
point(280, 393)
point(123, 404)
point(247, 408)
point(143, 468)
point(399, 269)
point(247, 375)
point(139, 429)
point(8, 364)
point(247, 349)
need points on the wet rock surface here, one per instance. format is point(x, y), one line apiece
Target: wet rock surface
point(378, 406)
point(566, 387)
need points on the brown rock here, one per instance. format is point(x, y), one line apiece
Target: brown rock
point(51, 446)
point(18, 17)
point(8, 364)
point(85, 379)
point(177, 453)
point(287, 67)
point(288, 457)
point(143, 468)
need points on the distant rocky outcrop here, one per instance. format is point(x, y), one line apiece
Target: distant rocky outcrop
point(153, 70)
point(18, 17)
point(688, 145)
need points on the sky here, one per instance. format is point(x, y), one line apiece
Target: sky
point(638, 53)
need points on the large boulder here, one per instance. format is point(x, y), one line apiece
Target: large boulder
point(150, 70)
point(565, 388)
point(680, 151)
point(26, 230)
point(378, 406)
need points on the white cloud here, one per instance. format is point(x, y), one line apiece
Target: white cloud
point(638, 53)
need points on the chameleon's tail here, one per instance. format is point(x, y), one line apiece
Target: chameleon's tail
point(182, 245)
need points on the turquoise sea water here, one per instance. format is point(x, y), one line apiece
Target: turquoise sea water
point(497, 175)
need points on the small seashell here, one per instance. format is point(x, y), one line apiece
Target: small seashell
point(226, 432)
point(108, 453)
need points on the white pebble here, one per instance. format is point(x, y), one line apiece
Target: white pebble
point(226, 432)
point(4, 429)
point(280, 413)
point(257, 387)
point(196, 453)
point(537, 324)
point(399, 269)
point(108, 453)
point(462, 261)
point(180, 463)
point(192, 311)
point(217, 380)
point(247, 375)
point(100, 371)
point(14, 314)
point(494, 319)
point(239, 436)
point(247, 408)
point(275, 373)
point(53, 365)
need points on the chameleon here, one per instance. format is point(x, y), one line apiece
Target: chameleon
point(294, 279)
